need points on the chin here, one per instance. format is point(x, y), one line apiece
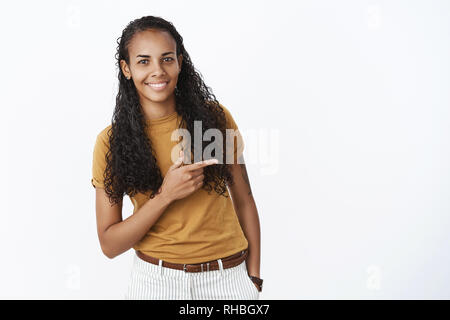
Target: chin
point(158, 98)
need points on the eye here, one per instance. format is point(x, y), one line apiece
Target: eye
point(143, 60)
point(169, 58)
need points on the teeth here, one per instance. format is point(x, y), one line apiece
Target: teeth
point(159, 85)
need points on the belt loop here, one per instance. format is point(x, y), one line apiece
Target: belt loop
point(207, 266)
point(220, 266)
point(160, 267)
point(201, 265)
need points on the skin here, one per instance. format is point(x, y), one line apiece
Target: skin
point(245, 207)
point(149, 63)
point(117, 236)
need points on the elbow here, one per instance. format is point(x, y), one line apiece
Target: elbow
point(107, 251)
point(105, 245)
point(108, 254)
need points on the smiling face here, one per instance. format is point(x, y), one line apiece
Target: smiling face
point(153, 65)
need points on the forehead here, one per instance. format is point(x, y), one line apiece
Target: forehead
point(151, 42)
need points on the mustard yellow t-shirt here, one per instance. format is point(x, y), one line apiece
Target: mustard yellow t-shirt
point(200, 227)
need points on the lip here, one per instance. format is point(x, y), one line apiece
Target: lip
point(157, 89)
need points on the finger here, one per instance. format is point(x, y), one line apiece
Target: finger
point(197, 172)
point(199, 183)
point(198, 178)
point(195, 176)
point(181, 154)
point(201, 164)
point(176, 164)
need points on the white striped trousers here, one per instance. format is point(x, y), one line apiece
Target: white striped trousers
point(155, 282)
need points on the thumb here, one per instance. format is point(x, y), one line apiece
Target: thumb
point(177, 163)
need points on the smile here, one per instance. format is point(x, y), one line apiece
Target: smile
point(157, 86)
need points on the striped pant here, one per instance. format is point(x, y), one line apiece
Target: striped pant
point(155, 282)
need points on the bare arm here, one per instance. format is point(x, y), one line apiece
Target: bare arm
point(117, 236)
point(245, 208)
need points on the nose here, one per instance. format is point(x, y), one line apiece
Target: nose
point(157, 69)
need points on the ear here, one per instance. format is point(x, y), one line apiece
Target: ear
point(125, 69)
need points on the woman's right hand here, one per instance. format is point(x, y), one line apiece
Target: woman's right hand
point(182, 180)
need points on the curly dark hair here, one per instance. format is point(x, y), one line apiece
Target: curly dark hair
point(131, 165)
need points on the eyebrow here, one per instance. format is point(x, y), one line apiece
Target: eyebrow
point(148, 56)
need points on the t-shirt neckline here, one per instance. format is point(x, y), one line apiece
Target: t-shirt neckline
point(162, 120)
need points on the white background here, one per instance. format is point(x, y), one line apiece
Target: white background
point(356, 203)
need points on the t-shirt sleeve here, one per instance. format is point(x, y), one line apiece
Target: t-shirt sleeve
point(239, 140)
point(99, 161)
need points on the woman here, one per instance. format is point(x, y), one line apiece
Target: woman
point(191, 240)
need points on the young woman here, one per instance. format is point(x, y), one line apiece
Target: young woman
point(191, 240)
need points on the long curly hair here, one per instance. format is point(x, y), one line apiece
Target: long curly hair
point(131, 165)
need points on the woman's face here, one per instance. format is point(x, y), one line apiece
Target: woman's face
point(153, 60)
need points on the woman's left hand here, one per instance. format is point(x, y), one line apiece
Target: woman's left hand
point(257, 287)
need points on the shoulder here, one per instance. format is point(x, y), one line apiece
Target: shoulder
point(221, 106)
point(229, 118)
point(105, 133)
point(103, 136)
point(225, 110)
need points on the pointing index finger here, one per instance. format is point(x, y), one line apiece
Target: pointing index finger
point(201, 164)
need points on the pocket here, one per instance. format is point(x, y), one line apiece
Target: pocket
point(248, 277)
point(253, 284)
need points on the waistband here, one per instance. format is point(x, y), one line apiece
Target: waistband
point(227, 262)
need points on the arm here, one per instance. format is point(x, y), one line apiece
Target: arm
point(245, 208)
point(117, 236)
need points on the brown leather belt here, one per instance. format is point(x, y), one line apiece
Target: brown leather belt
point(227, 262)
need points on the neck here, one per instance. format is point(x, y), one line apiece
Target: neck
point(158, 109)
